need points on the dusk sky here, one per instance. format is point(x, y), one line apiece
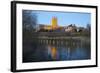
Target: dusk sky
point(64, 18)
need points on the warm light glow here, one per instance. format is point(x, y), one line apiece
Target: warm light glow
point(54, 23)
point(53, 26)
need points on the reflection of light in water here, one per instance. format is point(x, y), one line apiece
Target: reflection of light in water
point(49, 50)
point(68, 52)
point(52, 51)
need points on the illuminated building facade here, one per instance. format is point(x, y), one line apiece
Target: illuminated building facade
point(52, 27)
point(55, 27)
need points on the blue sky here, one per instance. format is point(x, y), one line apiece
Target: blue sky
point(64, 18)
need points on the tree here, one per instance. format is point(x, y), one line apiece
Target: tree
point(88, 27)
point(29, 20)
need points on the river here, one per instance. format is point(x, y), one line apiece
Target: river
point(40, 50)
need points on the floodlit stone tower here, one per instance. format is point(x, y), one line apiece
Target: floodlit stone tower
point(54, 23)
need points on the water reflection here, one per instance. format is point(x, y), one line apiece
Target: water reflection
point(57, 50)
point(52, 51)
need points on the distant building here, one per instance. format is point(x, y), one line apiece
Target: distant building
point(71, 28)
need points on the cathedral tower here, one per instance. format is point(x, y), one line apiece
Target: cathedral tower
point(54, 23)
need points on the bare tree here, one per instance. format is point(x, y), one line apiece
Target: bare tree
point(29, 20)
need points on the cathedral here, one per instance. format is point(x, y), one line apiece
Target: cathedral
point(53, 26)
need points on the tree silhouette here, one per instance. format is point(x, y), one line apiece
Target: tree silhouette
point(88, 27)
point(29, 20)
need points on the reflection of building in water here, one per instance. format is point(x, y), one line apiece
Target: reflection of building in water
point(52, 51)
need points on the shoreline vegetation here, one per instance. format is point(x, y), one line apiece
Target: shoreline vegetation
point(55, 34)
